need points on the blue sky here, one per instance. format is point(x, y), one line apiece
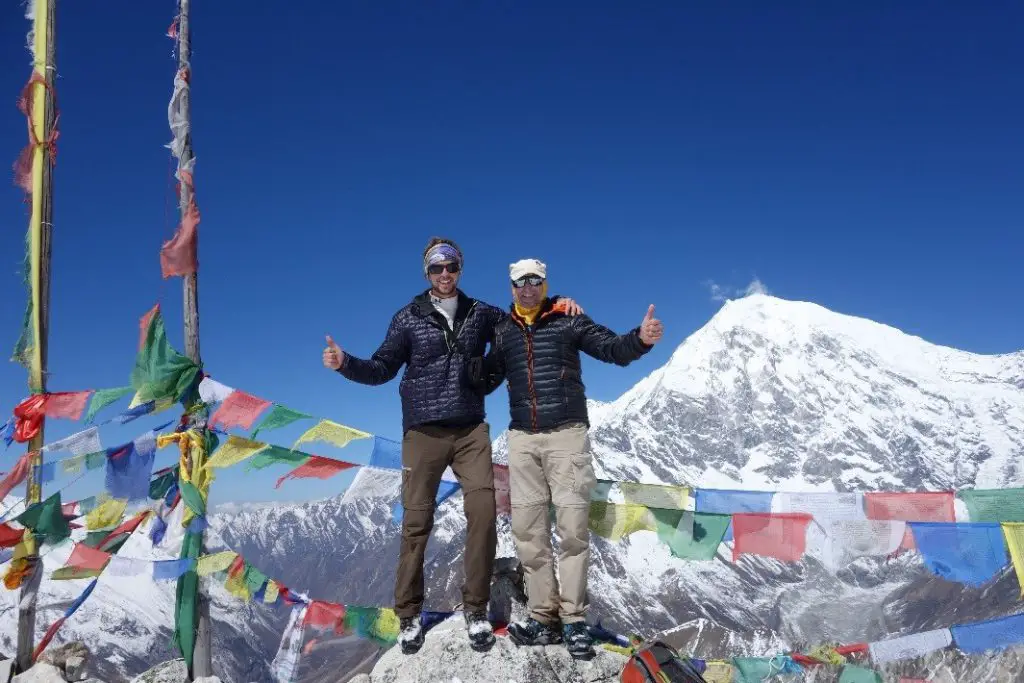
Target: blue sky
point(866, 157)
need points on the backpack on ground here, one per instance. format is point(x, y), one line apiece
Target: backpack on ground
point(659, 663)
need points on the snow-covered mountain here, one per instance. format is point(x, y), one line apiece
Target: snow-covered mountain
point(769, 394)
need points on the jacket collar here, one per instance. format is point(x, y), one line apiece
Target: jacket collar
point(546, 311)
point(425, 308)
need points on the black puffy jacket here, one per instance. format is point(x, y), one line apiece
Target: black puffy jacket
point(435, 387)
point(541, 364)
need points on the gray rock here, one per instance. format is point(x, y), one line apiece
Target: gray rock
point(446, 658)
point(41, 673)
point(173, 671)
point(75, 668)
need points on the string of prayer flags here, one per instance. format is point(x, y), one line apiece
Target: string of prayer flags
point(690, 535)
point(994, 505)
point(239, 409)
point(386, 454)
point(858, 674)
point(316, 467)
point(280, 416)
point(502, 490)
point(994, 634)
point(160, 372)
point(727, 502)
point(52, 631)
point(46, 520)
point(130, 467)
point(782, 536)
point(910, 646)
point(966, 553)
point(921, 506)
point(1014, 535)
point(103, 398)
point(333, 433)
point(233, 451)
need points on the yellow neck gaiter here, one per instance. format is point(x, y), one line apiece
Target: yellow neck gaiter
point(529, 315)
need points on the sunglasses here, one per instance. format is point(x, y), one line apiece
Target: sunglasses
point(438, 268)
point(534, 280)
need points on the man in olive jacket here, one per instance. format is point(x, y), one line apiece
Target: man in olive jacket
point(537, 351)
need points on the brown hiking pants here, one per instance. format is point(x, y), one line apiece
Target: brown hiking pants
point(426, 452)
point(552, 467)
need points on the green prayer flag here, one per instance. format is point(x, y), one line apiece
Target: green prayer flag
point(185, 615)
point(159, 487)
point(277, 454)
point(46, 520)
point(994, 505)
point(103, 398)
point(94, 461)
point(280, 416)
point(691, 535)
point(857, 674)
point(160, 372)
point(253, 579)
point(193, 499)
point(70, 573)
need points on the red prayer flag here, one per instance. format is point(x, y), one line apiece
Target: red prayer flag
point(9, 536)
point(782, 536)
point(128, 527)
point(144, 323)
point(239, 409)
point(925, 506)
point(28, 417)
point(178, 255)
point(502, 490)
point(17, 475)
point(66, 404)
point(316, 468)
point(84, 557)
point(321, 614)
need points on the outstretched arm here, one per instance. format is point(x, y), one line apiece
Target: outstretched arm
point(385, 362)
point(622, 349)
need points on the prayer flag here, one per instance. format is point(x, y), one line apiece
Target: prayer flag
point(386, 453)
point(911, 646)
point(270, 593)
point(331, 432)
point(316, 468)
point(129, 468)
point(966, 553)
point(106, 515)
point(618, 520)
point(992, 635)
point(782, 536)
point(217, 562)
point(212, 391)
point(86, 441)
point(276, 454)
point(10, 537)
point(651, 495)
point(160, 372)
point(445, 490)
point(46, 520)
point(994, 505)
point(920, 506)
point(239, 409)
point(17, 475)
point(286, 662)
point(103, 398)
point(326, 615)
point(1014, 534)
point(373, 482)
point(690, 535)
point(86, 560)
point(727, 502)
point(502, 490)
point(66, 404)
point(233, 451)
point(280, 416)
point(857, 674)
point(846, 540)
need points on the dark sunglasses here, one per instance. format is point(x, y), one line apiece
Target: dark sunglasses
point(438, 268)
point(534, 280)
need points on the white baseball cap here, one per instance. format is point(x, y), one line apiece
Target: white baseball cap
point(527, 266)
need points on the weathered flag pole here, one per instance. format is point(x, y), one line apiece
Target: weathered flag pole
point(42, 120)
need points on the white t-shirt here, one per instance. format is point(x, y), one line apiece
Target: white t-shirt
point(446, 307)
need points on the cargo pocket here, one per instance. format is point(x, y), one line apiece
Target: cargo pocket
point(583, 476)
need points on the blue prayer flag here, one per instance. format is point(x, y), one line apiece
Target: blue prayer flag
point(129, 468)
point(995, 634)
point(7, 432)
point(48, 472)
point(729, 501)
point(170, 569)
point(445, 491)
point(386, 453)
point(966, 553)
point(136, 412)
point(156, 534)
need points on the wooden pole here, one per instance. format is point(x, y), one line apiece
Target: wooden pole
point(40, 234)
point(202, 660)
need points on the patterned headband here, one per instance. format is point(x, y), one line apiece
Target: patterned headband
point(441, 252)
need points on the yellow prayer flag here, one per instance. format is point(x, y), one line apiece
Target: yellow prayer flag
point(73, 465)
point(26, 546)
point(217, 562)
point(386, 625)
point(655, 495)
point(107, 514)
point(234, 450)
point(615, 521)
point(718, 671)
point(271, 593)
point(331, 432)
point(1014, 533)
point(236, 586)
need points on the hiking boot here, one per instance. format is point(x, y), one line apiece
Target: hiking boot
point(481, 635)
point(578, 641)
point(410, 634)
point(533, 632)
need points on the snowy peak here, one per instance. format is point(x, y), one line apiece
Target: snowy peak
point(773, 394)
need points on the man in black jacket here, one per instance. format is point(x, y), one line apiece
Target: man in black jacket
point(435, 337)
point(537, 351)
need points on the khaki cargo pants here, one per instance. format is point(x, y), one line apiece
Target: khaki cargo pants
point(552, 467)
point(426, 452)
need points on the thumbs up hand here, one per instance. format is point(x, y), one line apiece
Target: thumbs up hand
point(650, 329)
point(333, 355)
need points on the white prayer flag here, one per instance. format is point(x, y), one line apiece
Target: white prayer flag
point(910, 647)
point(212, 391)
point(81, 443)
point(286, 662)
